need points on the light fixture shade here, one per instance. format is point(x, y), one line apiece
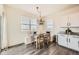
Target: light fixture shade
point(41, 21)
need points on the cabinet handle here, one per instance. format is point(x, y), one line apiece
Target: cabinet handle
point(69, 40)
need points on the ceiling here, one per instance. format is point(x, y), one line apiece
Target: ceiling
point(46, 9)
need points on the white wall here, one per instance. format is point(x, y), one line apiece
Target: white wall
point(14, 34)
point(1, 9)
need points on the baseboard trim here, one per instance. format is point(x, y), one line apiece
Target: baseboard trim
point(11, 46)
point(30, 44)
point(16, 46)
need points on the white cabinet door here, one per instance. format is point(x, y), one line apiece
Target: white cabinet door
point(77, 45)
point(69, 41)
point(74, 42)
point(62, 40)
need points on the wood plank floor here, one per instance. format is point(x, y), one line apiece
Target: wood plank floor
point(53, 49)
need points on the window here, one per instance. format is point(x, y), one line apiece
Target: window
point(25, 22)
point(49, 25)
point(25, 27)
point(34, 24)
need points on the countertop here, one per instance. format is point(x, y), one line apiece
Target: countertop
point(73, 33)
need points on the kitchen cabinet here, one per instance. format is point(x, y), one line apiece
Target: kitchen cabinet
point(62, 40)
point(69, 41)
point(75, 43)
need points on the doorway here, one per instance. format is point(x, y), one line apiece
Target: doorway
point(0, 32)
